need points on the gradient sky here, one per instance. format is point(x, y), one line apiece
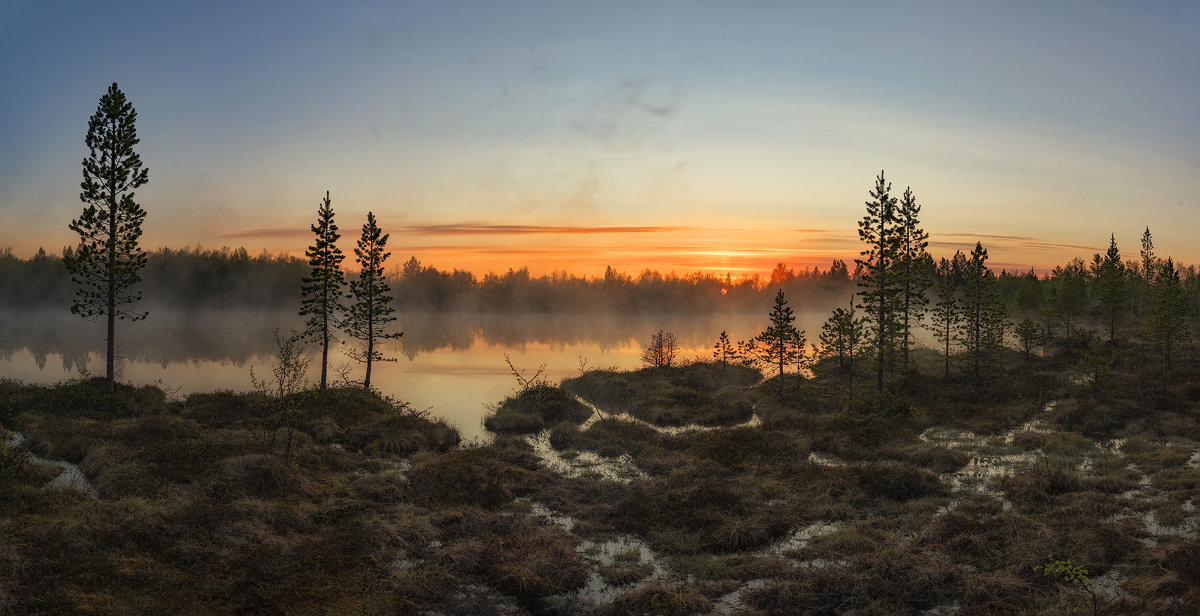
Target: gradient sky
point(564, 135)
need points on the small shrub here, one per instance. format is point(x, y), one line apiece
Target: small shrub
point(535, 407)
point(563, 434)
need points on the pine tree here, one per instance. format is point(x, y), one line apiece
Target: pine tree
point(1027, 335)
point(368, 317)
point(947, 312)
point(107, 262)
point(780, 344)
point(723, 350)
point(1166, 324)
point(878, 230)
point(1109, 274)
point(322, 292)
point(1070, 296)
point(1149, 268)
point(914, 268)
point(842, 337)
point(981, 330)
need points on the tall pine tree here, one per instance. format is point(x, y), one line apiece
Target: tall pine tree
point(878, 230)
point(1166, 325)
point(107, 261)
point(913, 268)
point(368, 317)
point(947, 312)
point(1109, 273)
point(322, 291)
point(1149, 268)
point(981, 329)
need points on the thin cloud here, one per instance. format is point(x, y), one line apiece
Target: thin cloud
point(1014, 238)
point(471, 229)
point(491, 229)
point(1009, 241)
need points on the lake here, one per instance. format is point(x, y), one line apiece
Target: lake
point(452, 364)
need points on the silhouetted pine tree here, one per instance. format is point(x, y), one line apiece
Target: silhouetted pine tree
point(781, 344)
point(368, 317)
point(1070, 296)
point(723, 350)
point(107, 261)
point(1027, 335)
point(1109, 274)
point(1166, 325)
point(1149, 269)
point(981, 329)
point(947, 312)
point(842, 336)
point(322, 292)
point(879, 231)
point(914, 267)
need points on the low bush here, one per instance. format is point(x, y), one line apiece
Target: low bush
point(534, 408)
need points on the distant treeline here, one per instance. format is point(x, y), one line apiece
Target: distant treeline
point(203, 279)
point(188, 278)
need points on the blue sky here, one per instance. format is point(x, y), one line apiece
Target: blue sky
point(741, 127)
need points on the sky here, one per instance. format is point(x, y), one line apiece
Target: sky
point(689, 136)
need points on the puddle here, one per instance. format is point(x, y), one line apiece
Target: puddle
point(1108, 586)
point(585, 463)
point(70, 477)
point(1157, 529)
point(1186, 528)
point(990, 456)
point(947, 609)
point(598, 414)
point(623, 549)
point(824, 460)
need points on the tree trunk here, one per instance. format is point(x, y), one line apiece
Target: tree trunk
point(111, 262)
point(370, 348)
point(324, 345)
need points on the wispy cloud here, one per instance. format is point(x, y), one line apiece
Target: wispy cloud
point(479, 228)
point(1008, 241)
point(471, 228)
point(494, 229)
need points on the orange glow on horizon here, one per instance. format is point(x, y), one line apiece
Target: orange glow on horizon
point(739, 253)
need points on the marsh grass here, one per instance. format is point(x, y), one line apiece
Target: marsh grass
point(379, 509)
point(700, 393)
point(535, 408)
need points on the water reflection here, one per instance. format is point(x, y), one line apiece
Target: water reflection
point(450, 363)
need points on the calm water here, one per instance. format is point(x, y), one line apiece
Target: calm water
point(452, 364)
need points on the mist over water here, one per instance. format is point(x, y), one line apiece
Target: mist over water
point(450, 363)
